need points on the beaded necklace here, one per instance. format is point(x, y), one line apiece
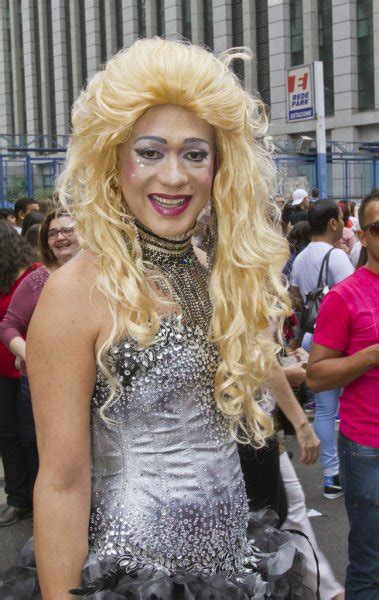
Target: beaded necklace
point(176, 260)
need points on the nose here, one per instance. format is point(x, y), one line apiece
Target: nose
point(173, 173)
point(60, 236)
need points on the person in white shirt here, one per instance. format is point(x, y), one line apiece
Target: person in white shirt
point(326, 222)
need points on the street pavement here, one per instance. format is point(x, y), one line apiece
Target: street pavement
point(331, 528)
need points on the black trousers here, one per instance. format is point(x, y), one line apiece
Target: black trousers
point(263, 482)
point(17, 442)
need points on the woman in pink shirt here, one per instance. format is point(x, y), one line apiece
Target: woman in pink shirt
point(345, 353)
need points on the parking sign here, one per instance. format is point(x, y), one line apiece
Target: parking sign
point(300, 97)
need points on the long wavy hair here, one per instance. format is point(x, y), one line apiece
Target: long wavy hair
point(15, 255)
point(245, 283)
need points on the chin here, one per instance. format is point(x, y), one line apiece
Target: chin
point(169, 227)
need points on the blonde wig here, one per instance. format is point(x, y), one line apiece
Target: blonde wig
point(245, 283)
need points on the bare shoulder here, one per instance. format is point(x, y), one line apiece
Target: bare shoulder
point(71, 298)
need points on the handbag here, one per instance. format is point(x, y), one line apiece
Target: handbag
point(314, 298)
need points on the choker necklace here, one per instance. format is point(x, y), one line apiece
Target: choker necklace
point(175, 259)
point(173, 246)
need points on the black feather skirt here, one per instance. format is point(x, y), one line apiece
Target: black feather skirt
point(272, 569)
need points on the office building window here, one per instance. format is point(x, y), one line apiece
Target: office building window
point(237, 36)
point(70, 90)
point(325, 51)
point(82, 24)
point(208, 23)
point(263, 51)
point(296, 32)
point(21, 37)
point(103, 33)
point(161, 29)
point(38, 68)
point(8, 67)
point(365, 47)
point(51, 67)
point(141, 18)
point(186, 19)
point(119, 25)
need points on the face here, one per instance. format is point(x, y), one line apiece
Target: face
point(167, 168)
point(367, 238)
point(11, 219)
point(336, 226)
point(30, 208)
point(280, 201)
point(62, 239)
point(306, 202)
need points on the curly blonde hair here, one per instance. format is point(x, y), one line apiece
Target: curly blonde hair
point(245, 284)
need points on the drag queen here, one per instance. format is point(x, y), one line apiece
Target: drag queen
point(145, 355)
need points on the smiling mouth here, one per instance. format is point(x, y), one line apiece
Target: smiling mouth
point(168, 201)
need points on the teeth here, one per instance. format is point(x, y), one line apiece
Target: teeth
point(169, 203)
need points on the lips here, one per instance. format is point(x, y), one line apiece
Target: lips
point(63, 245)
point(170, 205)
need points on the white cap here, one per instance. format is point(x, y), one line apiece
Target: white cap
point(298, 196)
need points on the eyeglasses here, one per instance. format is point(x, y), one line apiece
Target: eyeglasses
point(65, 231)
point(373, 228)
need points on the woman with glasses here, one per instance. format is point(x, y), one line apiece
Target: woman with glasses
point(58, 243)
point(146, 354)
point(17, 261)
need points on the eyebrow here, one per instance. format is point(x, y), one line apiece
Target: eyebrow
point(164, 141)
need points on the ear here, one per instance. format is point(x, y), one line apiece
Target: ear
point(362, 238)
point(333, 224)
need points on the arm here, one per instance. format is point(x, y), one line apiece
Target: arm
point(17, 318)
point(328, 366)
point(18, 347)
point(285, 399)
point(327, 369)
point(61, 367)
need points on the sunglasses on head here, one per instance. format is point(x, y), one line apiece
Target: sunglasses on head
point(373, 228)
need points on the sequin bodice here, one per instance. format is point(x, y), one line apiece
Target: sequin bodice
point(167, 484)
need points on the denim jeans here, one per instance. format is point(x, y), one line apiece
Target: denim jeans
point(324, 423)
point(360, 481)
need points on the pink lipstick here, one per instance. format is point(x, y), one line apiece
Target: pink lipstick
point(170, 205)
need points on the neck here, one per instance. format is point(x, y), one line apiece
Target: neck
point(323, 238)
point(166, 245)
point(373, 264)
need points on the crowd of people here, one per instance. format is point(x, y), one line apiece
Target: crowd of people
point(157, 426)
point(335, 255)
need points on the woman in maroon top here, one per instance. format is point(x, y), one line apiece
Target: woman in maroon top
point(58, 242)
point(16, 262)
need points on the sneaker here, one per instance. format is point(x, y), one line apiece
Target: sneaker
point(12, 514)
point(310, 407)
point(332, 487)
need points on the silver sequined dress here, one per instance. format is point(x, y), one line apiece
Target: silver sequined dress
point(169, 515)
point(167, 482)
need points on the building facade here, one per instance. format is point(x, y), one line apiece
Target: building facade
point(49, 48)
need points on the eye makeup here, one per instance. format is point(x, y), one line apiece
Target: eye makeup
point(192, 154)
